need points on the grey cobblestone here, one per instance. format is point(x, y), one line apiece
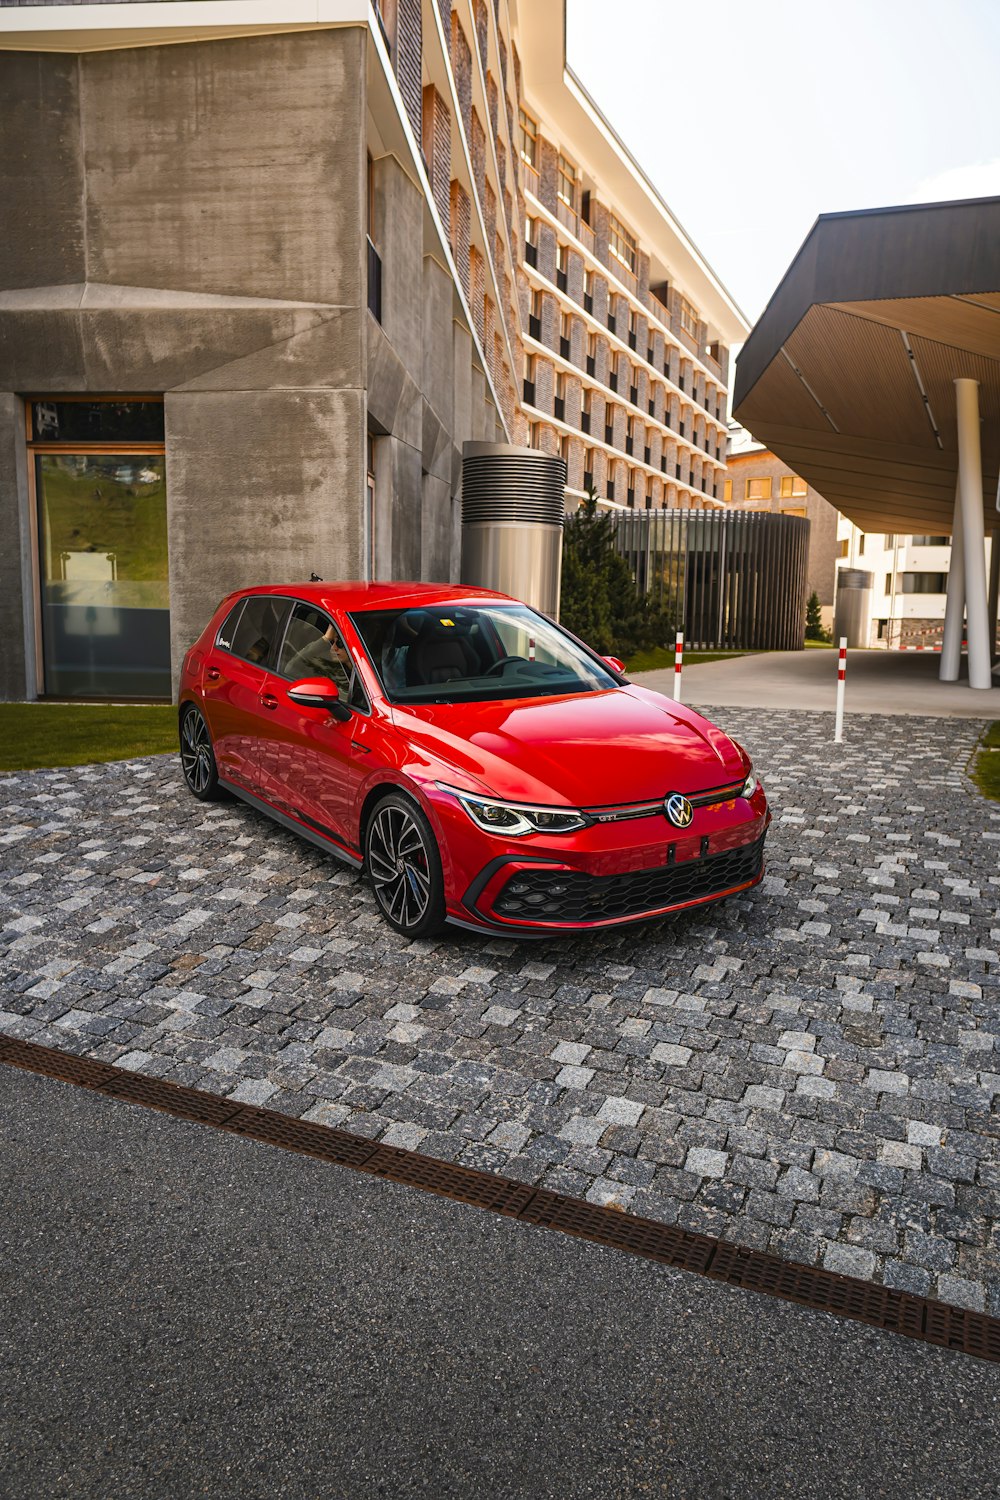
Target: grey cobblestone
point(813, 1068)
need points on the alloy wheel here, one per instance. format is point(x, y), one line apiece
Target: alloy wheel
point(399, 866)
point(197, 759)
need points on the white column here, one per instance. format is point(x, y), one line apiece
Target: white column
point(970, 481)
point(993, 605)
point(954, 607)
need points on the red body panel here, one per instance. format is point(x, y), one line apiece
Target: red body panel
point(589, 750)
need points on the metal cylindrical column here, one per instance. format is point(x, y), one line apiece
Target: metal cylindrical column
point(853, 608)
point(513, 506)
point(954, 604)
point(970, 481)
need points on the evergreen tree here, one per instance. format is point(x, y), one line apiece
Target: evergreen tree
point(599, 599)
point(814, 620)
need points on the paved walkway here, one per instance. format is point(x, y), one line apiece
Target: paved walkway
point(186, 1313)
point(878, 682)
point(813, 1068)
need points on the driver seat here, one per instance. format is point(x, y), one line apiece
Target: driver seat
point(441, 654)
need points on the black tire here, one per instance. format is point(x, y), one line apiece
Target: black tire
point(201, 774)
point(404, 867)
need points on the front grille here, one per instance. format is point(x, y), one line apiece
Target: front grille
point(571, 896)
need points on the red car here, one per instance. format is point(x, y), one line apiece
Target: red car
point(479, 762)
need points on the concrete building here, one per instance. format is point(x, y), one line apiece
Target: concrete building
point(756, 479)
point(906, 603)
point(263, 275)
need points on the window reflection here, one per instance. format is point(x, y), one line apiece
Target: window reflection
point(104, 582)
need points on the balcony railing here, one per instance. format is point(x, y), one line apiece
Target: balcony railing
point(534, 327)
point(588, 302)
point(531, 253)
point(564, 346)
point(531, 179)
point(374, 282)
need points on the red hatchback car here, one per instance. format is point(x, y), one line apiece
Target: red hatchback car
point(479, 762)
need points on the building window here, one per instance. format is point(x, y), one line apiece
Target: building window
point(535, 316)
point(588, 290)
point(530, 361)
point(844, 548)
point(727, 491)
point(529, 138)
point(97, 472)
point(758, 489)
point(567, 184)
point(888, 583)
point(688, 317)
point(923, 583)
point(621, 244)
point(562, 260)
point(861, 544)
point(792, 485)
point(930, 541)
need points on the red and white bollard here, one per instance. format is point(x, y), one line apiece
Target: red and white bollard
point(678, 663)
point(838, 734)
point(531, 648)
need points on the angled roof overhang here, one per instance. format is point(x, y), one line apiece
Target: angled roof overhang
point(849, 373)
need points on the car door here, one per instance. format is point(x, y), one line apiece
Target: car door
point(309, 762)
point(234, 678)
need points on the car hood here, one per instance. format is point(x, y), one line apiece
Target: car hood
point(589, 750)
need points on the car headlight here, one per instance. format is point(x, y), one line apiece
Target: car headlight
point(750, 785)
point(513, 818)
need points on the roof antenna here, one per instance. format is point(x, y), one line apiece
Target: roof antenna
point(315, 578)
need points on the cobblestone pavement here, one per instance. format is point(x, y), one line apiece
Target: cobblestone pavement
point(813, 1068)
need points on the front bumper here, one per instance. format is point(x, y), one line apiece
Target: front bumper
point(603, 875)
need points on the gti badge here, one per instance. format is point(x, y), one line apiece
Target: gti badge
point(679, 810)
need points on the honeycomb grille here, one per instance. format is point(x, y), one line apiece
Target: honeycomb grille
point(561, 896)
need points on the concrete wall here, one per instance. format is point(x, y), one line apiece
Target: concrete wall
point(190, 220)
point(150, 193)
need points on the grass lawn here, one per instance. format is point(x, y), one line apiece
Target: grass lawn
point(72, 734)
point(663, 656)
point(986, 764)
point(823, 645)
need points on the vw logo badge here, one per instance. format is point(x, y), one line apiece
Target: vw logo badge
point(679, 810)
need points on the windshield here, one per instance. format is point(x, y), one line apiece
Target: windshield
point(465, 654)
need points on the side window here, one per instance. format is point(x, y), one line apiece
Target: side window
point(257, 629)
point(228, 628)
point(314, 647)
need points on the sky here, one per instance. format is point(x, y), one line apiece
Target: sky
point(813, 106)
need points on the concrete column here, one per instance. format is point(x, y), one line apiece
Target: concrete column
point(993, 605)
point(970, 478)
point(954, 609)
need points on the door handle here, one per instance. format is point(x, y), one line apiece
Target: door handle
point(213, 674)
point(268, 700)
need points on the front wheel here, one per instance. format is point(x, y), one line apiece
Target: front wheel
point(201, 774)
point(404, 866)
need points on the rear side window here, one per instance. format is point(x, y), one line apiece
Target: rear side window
point(228, 627)
point(257, 629)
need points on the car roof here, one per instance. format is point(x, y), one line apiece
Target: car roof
point(351, 596)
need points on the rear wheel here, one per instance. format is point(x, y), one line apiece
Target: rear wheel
point(404, 866)
point(201, 774)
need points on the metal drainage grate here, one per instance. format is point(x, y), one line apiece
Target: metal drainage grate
point(844, 1296)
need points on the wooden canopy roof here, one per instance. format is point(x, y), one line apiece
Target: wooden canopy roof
point(848, 375)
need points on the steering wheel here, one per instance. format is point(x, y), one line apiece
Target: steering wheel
point(499, 665)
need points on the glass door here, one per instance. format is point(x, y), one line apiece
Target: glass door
point(102, 536)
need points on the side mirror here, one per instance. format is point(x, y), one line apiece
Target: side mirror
point(319, 692)
point(615, 664)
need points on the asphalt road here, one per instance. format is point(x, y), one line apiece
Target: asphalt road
point(185, 1314)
